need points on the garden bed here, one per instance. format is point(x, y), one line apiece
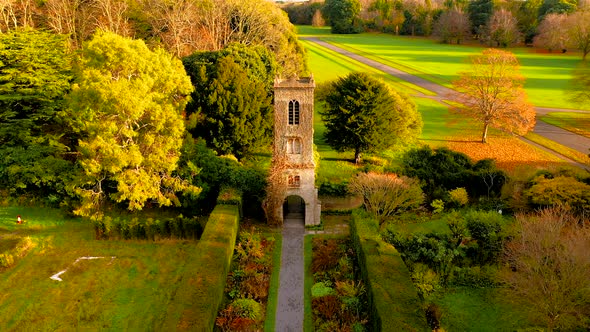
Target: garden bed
point(338, 296)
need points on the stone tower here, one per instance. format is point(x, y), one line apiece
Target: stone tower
point(293, 143)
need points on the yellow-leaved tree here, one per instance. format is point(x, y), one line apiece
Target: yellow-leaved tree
point(492, 92)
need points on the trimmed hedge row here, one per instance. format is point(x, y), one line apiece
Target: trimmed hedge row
point(195, 308)
point(393, 301)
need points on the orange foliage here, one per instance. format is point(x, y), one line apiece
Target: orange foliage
point(491, 92)
point(509, 152)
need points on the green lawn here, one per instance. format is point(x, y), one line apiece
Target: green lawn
point(481, 310)
point(128, 292)
point(548, 75)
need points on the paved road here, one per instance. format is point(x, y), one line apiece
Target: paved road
point(561, 136)
point(289, 315)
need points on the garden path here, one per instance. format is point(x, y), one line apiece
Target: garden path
point(289, 315)
point(561, 136)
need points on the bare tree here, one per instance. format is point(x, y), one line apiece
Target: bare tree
point(452, 25)
point(552, 33)
point(8, 13)
point(492, 92)
point(176, 23)
point(579, 31)
point(112, 16)
point(502, 28)
point(550, 267)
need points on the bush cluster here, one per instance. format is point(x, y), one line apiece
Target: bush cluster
point(476, 240)
point(442, 170)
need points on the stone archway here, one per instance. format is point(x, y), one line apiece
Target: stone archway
point(294, 210)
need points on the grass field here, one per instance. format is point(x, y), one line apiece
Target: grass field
point(578, 123)
point(442, 128)
point(127, 292)
point(481, 310)
point(548, 74)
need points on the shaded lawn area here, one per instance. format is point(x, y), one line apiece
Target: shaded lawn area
point(481, 309)
point(548, 74)
point(578, 123)
point(129, 292)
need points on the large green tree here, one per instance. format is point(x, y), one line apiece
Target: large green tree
point(363, 114)
point(343, 15)
point(231, 107)
point(35, 74)
point(127, 105)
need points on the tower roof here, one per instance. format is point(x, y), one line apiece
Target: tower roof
point(294, 82)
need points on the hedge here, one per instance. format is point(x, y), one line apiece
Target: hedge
point(393, 300)
point(195, 305)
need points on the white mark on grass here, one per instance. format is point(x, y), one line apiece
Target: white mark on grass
point(56, 276)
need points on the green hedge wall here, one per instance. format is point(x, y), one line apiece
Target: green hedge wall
point(393, 301)
point(195, 305)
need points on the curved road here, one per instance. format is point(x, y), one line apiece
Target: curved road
point(559, 135)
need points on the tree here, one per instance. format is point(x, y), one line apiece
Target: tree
point(552, 33)
point(549, 268)
point(557, 7)
point(385, 195)
point(232, 101)
point(342, 15)
point(502, 28)
point(452, 24)
point(364, 115)
point(127, 106)
point(35, 74)
point(578, 29)
point(479, 12)
point(492, 93)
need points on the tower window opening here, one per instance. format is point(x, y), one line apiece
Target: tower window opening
point(294, 181)
point(293, 112)
point(294, 145)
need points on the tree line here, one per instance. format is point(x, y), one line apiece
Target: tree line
point(181, 27)
point(552, 24)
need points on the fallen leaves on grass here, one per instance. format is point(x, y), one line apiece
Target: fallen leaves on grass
point(509, 152)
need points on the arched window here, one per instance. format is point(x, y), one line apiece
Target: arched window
point(294, 181)
point(293, 112)
point(293, 145)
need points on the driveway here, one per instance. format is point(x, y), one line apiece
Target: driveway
point(561, 136)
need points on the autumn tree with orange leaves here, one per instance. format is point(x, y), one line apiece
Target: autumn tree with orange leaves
point(492, 92)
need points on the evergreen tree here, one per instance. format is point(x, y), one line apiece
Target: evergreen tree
point(363, 114)
point(35, 74)
point(231, 106)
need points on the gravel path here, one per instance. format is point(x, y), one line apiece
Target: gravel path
point(289, 315)
point(561, 136)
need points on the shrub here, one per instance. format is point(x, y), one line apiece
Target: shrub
point(459, 196)
point(248, 308)
point(322, 288)
point(486, 227)
point(441, 169)
point(475, 276)
point(385, 195)
point(438, 206)
point(326, 307)
point(426, 281)
point(560, 191)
